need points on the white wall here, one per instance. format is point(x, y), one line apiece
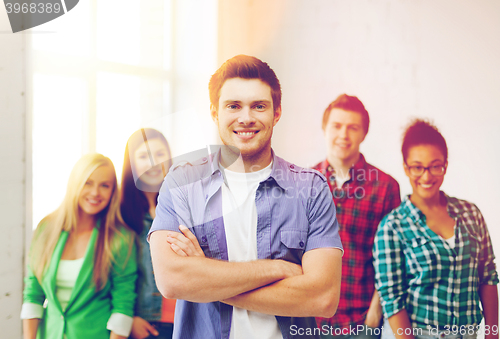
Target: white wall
point(433, 59)
point(195, 58)
point(12, 179)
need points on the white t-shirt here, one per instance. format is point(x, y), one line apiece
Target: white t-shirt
point(451, 240)
point(67, 273)
point(340, 181)
point(240, 224)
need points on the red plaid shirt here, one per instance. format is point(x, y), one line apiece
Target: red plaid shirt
point(361, 203)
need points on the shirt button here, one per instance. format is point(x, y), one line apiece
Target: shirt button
point(206, 197)
point(62, 317)
point(292, 167)
point(204, 159)
point(301, 244)
point(204, 238)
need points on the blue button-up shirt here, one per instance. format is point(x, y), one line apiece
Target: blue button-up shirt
point(295, 212)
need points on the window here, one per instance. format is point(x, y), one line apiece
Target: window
point(108, 68)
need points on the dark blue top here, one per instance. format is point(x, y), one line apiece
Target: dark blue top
point(149, 299)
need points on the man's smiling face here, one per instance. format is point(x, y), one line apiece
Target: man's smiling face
point(246, 116)
point(343, 134)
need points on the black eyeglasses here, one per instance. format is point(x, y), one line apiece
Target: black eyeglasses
point(435, 170)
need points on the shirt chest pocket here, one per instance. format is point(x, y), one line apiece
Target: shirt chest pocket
point(207, 239)
point(472, 251)
point(293, 244)
point(422, 260)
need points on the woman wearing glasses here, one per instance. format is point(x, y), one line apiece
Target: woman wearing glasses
point(433, 256)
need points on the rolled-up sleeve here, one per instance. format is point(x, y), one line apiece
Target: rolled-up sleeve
point(488, 274)
point(123, 276)
point(389, 264)
point(33, 297)
point(31, 311)
point(120, 324)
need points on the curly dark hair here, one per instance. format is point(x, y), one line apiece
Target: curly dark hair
point(423, 132)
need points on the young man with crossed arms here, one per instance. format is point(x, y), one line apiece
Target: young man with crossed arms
point(259, 254)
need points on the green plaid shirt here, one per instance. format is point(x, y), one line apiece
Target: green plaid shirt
point(417, 270)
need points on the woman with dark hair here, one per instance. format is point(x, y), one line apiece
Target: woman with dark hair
point(147, 160)
point(433, 258)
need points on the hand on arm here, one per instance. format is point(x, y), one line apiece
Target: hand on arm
point(142, 329)
point(180, 277)
point(489, 300)
point(374, 315)
point(399, 323)
point(185, 244)
point(313, 293)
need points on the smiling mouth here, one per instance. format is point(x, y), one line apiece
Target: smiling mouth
point(154, 173)
point(246, 134)
point(93, 202)
point(343, 145)
point(426, 185)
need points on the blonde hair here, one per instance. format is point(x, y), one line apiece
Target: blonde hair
point(65, 218)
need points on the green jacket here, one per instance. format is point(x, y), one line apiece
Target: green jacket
point(88, 311)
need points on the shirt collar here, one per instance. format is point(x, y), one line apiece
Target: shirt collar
point(454, 209)
point(354, 172)
point(412, 210)
point(360, 164)
point(214, 161)
point(278, 172)
point(416, 213)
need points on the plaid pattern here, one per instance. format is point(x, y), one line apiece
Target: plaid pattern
point(361, 203)
point(417, 270)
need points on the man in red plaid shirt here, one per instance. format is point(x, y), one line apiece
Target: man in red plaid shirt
point(363, 195)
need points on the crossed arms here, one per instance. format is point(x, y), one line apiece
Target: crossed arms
point(275, 287)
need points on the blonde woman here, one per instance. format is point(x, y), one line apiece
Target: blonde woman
point(82, 263)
